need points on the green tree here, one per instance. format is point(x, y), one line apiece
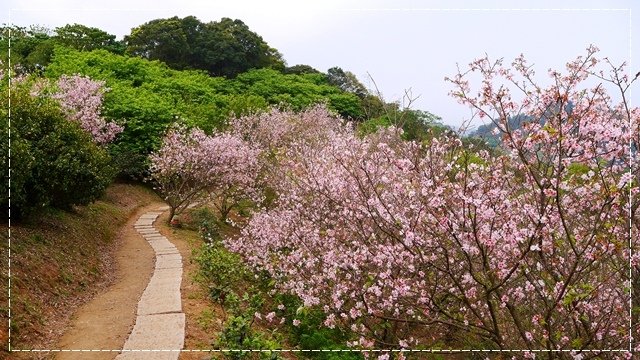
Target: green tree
point(346, 81)
point(31, 47)
point(300, 69)
point(224, 48)
point(86, 38)
point(417, 125)
point(297, 91)
point(55, 163)
point(229, 47)
point(162, 39)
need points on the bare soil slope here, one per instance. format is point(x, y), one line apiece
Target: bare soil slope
point(60, 261)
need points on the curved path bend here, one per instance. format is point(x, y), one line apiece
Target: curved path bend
point(159, 329)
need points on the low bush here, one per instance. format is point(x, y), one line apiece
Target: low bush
point(252, 304)
point(54, 162)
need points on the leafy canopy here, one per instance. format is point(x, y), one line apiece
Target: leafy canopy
point(222, 48)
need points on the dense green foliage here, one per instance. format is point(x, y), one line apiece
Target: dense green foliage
point(222, 48)
point(297, 91)
point(87, 38)
point(33, 47)
point(147, 96)
point(300, 69)
point(54, 162)
point(416, 125)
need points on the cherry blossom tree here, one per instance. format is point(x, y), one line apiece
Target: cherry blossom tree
point(276, 131)
point(278, 128)
point(191, 165)
point(411, 244)
point(81, 99)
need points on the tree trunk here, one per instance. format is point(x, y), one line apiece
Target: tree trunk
point(172, 213)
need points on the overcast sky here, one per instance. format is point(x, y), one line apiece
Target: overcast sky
point(402, 44)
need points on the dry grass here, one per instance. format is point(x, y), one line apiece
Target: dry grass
point(59, 261)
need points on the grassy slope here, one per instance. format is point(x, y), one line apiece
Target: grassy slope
point(58, 261)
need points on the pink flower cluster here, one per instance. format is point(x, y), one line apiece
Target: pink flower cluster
point(527, 249)
point(276, 131)
point(81, 99)
point(191, 164)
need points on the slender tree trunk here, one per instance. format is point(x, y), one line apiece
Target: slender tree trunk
point(172, 213)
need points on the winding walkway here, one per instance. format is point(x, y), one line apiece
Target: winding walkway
point(159, 329)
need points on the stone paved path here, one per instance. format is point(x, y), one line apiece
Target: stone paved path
point(160, 321)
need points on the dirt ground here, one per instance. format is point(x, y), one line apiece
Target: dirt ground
point(105, 322)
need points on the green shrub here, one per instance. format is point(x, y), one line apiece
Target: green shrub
point(54, 162)
point(220, 271)
point(205, 221)
point(239, 333)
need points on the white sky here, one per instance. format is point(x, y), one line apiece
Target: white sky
point(402, 44)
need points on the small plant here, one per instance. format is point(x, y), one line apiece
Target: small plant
point(206, 318)
point(176, 223)
point(38, 238)
point(220, 271)
point(207, 224)
point(239, 334)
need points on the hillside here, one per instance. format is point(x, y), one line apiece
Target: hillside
point(60, 260)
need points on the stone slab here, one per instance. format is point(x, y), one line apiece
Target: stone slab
point(167, 252)
point(148, 355)
point(164, 250)
point(157, 332)
point(169, 257)
point(158, 240)
point(160, 299)
point(157, 236)
point(172, 256)
point(160, 244)
point(163, 263)
point(150, 230)
point(160, 321)
point(165, 276)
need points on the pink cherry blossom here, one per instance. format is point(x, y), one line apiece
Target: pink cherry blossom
point(510, 248)
point(190, 166)
point(81, 99)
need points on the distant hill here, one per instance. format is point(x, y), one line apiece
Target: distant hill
point(486, 131)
